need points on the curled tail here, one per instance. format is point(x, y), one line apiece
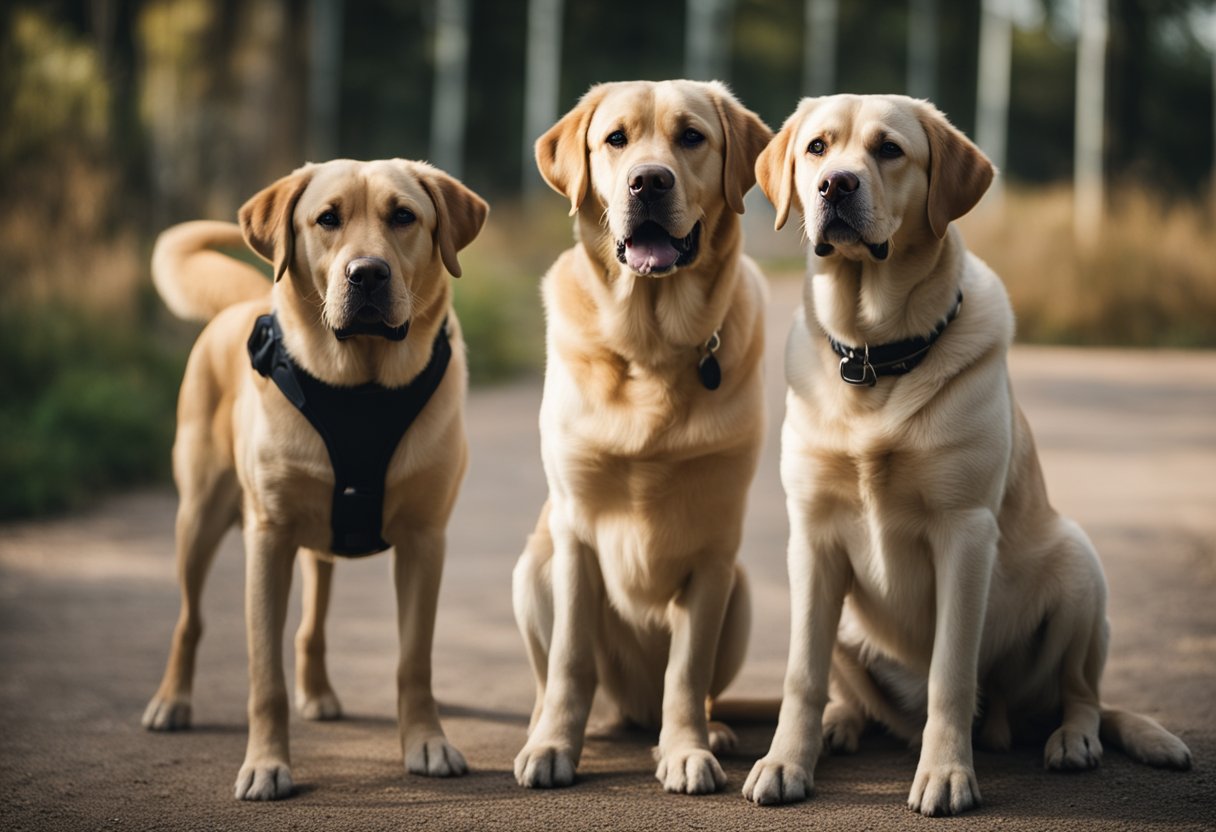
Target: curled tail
point(1144, 739)
point(196, 282)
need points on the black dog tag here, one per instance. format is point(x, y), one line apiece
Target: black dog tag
point(709, 371)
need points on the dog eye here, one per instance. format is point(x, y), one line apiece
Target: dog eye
point(617, 138)
point(402, 216)
point(817, 147)
point(890, 150)
point(691, 138)
point(329, 220)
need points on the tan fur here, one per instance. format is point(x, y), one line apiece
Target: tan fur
point(243, 452)
point(630, 580)
point(919, 519)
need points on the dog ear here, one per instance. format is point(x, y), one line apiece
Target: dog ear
point(459, 215)
point(744, 137)
point(266, 219)
point(959, 172)
point(561, 153)
point(775, 165)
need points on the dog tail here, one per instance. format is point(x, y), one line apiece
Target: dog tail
point(745, 710)
point(1144, 739)
point(196, 282)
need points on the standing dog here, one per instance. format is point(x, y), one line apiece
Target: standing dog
point(651, 423)
point(363, 311)
point(914, 490)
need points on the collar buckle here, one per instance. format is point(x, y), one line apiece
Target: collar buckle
point(868, 376)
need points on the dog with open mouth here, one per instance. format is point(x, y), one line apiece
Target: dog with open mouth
point(324, 414)
point(930, 578)
point(651, 424)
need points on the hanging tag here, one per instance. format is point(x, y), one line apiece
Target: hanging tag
point(709, 371)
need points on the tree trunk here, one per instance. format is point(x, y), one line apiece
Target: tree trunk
point(542, 83)
point(992, 89)
point(324, 77)
point(1091, 77)
point(448, 109)
point(819, 48)
point(922, 49)
point(707, 39)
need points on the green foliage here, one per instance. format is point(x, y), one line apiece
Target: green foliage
point(85, 405)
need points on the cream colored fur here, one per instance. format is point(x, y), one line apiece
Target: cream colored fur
point(630, 580)
point(244, 453)
point(924, 555)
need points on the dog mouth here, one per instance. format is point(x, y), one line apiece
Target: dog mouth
point(369, 320)
point(650, 250)
point(839, 232)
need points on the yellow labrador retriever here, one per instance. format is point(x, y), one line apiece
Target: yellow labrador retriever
point(651, 423)
point(292, 425)
point(915, 497)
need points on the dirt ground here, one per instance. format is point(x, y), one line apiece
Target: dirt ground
point(1128, 441)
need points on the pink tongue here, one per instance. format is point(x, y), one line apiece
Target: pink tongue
point(650, 250)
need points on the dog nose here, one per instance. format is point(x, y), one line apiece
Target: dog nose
point(837, 185)
point(367, 271)
point(651, 182)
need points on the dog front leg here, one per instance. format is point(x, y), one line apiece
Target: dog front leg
point(417, 569)
point(269, 555)
point(315, 697)
point(964, 551)
point(553, 748)
point(819, 579)
point(686, 763)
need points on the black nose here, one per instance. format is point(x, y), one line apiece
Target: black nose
point(367, 272)
point(837, 185)
point(651, 182)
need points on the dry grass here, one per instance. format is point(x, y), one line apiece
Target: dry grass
point(1150, 281)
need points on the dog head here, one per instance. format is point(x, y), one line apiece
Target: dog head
point(658, 163)
point(366, 240)
point(864, 169)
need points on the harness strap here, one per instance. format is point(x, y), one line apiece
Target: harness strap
point(361, 427)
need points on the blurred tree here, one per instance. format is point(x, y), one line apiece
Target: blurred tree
point(448, 106)
point(542, 80)
point(992, 105)
point(819, 48)
point(707, 36)
point(922, 48)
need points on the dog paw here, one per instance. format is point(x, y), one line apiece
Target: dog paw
point(773, 782)
point(944, 790)
point(544, 766)
point(165, 714)
point(690, 771)
point(264, 781)
point(842, 727)
point(322, 706)
point(1069, 749)
point(722, 739)
point(435, 757)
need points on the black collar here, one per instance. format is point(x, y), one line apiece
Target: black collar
point(361, 427)
point(861, 366)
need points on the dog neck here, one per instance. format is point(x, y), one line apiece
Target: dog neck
point(357, 360)
point(880, 302)
point(653, 321)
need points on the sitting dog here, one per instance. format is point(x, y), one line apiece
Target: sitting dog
point(915, 497)
point(333, 424)
point(651, 423)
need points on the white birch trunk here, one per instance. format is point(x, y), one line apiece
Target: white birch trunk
point(992, 90)
point(1090, 121)
point(819, 48)
point(542, 83)
point(448, 109)
point(922, 49)
point(707, 39)
point(324, 77)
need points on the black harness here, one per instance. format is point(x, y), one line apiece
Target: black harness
point(863, 365)
point(361, 427)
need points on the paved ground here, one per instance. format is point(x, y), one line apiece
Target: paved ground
point(1128, 441)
